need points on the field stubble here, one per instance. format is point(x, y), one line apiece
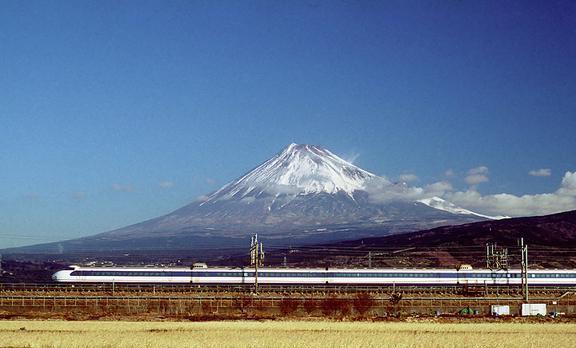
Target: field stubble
point(103, 334)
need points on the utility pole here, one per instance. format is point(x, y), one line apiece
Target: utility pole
point(369, 259)
point(496, 259)
point(256, 258)
point(524, 268)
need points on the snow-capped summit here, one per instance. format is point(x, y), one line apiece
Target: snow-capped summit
point(304, 193)
point(298, 169)
point(441, 204)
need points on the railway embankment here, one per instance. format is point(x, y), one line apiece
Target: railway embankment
point(90, 302)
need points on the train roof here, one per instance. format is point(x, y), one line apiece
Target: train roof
point(159, 268)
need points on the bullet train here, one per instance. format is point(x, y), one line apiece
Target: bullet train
point(297, 276)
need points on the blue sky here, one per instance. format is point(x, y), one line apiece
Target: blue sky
point(113, 112)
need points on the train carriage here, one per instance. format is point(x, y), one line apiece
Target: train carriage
point(334, 276)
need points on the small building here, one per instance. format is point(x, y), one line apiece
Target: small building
point(533, 309)
point(497, 310)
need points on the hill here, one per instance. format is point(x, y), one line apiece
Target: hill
point(551, 240)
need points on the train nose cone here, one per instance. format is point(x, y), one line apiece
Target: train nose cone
point(56, 276)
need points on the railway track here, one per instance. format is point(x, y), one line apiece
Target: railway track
point(158, 289)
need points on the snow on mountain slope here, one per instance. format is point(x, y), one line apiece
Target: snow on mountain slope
point(298, 169)
point(441, 204)
point(304, 193)
point(302, 170)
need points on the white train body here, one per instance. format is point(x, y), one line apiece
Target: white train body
point(297, 276)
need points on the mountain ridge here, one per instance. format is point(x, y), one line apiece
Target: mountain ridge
point(551, 239)
point(304, 193)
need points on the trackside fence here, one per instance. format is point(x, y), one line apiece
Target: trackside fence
point(361, 304)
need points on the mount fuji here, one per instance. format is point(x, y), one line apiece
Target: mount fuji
point(304, 194)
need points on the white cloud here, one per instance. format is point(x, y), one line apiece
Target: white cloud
point(438, 189)
point(449, 173)
point(561, 200)
point(568, 186)
point(540, 172)
point(122, 188)
point(166, 184)
point(478, 170)
point(477, 175)
point(351, 157)
point(408, 178)
point(383, 190)
point(476, 179)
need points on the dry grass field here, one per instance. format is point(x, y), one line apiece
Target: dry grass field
point(100, 334)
